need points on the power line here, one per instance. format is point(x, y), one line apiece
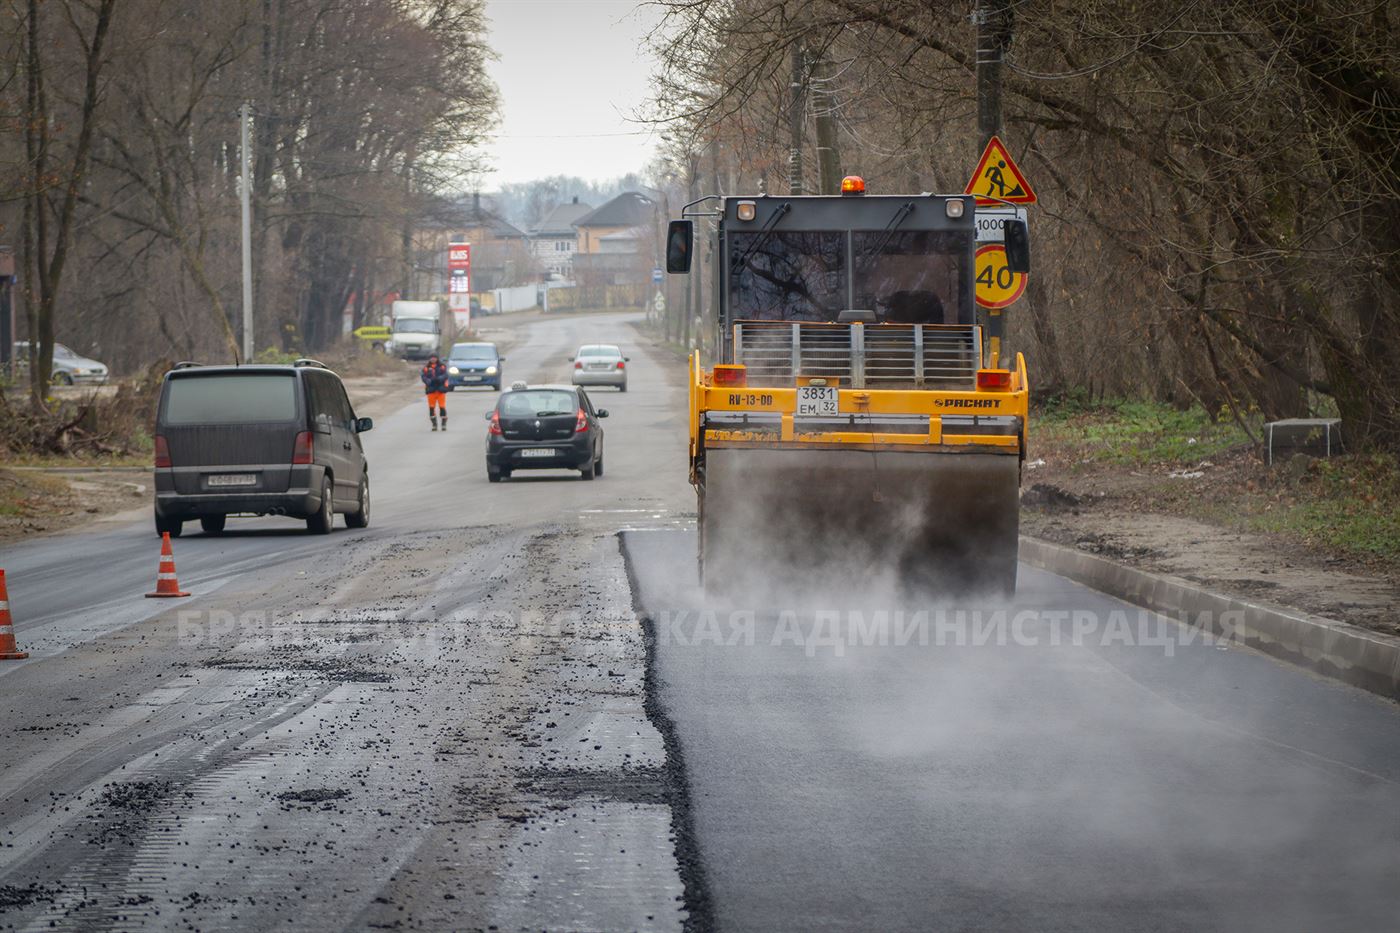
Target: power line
point(566, 135)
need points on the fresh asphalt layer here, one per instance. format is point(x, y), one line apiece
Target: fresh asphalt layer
point(1064, 762)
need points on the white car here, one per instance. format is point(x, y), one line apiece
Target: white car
point(68, 367)
point(600, 364)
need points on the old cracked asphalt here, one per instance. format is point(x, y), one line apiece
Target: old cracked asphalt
point(433, 723)
point(507, 707)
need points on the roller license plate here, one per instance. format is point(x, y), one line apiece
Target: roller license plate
point(817, 400)
point(233, 479)
point(537, 452)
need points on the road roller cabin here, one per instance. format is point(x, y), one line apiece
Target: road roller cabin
point(860, 417)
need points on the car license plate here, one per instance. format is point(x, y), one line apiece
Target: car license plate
point(816, 400)
point(537, 452)
point(233, 479)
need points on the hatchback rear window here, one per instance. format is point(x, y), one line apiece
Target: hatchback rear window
point(236, 398)
point(538, 403)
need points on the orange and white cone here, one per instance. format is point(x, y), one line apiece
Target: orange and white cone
point(166, 584)
point(9, 651)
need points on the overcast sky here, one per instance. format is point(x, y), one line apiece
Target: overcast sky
point(570, 72)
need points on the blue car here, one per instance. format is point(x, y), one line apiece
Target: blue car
point(474, 364)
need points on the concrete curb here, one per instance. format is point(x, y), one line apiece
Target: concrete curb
point(1343, 652)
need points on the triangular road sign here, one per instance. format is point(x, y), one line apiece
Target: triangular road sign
point(997, 180)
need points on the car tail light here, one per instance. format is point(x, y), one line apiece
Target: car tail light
point(303, 449)
point(621, 365)
point(997, 380)
point(495, 427)
point(162, 452)
point(581, 424)
point(578, 364)
point(733, 376)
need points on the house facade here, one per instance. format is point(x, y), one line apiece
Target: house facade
point(555, 240)
point(615, 242)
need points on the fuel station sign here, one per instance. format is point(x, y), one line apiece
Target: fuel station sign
point(459, 283)
point(459, 269)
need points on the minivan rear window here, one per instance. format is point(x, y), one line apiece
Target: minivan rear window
point(236, 398)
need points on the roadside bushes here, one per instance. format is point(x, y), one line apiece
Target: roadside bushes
point(102, 423)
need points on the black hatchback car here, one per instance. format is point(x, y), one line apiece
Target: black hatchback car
point(259, 440)
point(547, 427)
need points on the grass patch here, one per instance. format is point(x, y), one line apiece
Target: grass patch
point(1133, 433)
point(22, 494)
point(1347, 504)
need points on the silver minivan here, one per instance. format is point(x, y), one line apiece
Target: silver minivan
point(258, 440)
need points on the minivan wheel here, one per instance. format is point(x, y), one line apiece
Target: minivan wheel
point(323, 520)
point(170, 526)
point(212, 524)
point(360, 517)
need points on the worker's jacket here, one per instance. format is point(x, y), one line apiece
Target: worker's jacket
point(434, 378)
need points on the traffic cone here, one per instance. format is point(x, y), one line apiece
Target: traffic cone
point(9, 651)
point(166, 584)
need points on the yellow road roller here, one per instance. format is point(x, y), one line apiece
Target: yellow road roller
point(858, 425)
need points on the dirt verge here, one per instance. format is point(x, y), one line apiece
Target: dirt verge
point(1211, 522)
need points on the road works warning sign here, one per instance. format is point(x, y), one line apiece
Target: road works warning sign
point(997, 285)
point(997, 179)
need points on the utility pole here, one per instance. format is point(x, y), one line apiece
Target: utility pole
point(824, 109)
point(245, 190)
point(993, 18)
point(692, 183)
point(797, 115)
point(993, 36)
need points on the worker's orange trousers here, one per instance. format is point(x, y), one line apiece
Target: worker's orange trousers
point(437, 400)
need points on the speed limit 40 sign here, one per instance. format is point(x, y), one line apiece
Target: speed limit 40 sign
point(997, 285)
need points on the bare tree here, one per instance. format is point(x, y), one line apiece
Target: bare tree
point(1220, 206)
point(53, 180)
